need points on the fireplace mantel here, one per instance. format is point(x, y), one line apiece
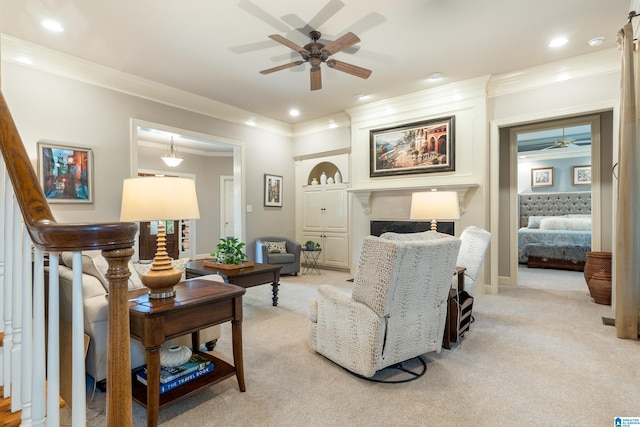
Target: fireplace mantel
point(364, 194)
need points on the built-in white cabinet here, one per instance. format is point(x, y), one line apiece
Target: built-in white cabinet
point(325, 219)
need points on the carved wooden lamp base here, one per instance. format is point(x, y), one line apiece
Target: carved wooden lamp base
point(162, 277)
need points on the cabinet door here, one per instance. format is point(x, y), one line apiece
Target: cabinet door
point(335, 210)
point(313, 209)
point(335, 251)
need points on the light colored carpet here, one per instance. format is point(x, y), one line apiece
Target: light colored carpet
point(536, 355)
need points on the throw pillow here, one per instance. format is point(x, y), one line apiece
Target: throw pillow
point(534, 221)
point(93, 264)
point(572, 224)
point(277, 247)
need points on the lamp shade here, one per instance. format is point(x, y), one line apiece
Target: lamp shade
point(153, 198)
point(436, 205)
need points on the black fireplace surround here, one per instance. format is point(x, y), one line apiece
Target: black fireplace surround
point(379, 227)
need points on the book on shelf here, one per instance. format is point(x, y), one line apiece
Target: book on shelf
point(165, 387)
point(168, 374)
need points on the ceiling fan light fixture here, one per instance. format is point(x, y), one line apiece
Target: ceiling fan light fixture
point(171, 159)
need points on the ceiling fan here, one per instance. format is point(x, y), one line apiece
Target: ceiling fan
point(316, 53)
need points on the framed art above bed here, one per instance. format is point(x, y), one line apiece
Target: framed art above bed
point(542, 177)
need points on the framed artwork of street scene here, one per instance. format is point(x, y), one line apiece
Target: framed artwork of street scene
point(422, 147)
point(272, 190)
point(65, 173)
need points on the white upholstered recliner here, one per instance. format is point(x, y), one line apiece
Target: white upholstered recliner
point(397, 309)
point(475, 242)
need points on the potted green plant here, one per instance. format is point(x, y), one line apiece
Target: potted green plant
point(311, 245)
point(229, 251)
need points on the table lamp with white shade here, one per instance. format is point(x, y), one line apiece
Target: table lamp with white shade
point(159, 199)
point(435, 205)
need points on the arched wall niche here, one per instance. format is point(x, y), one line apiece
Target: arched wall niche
point(328, 168)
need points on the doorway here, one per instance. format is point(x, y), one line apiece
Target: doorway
point(206, 158)
point(507, 219)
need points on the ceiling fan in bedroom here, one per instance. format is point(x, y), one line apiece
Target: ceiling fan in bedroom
point(315, 53)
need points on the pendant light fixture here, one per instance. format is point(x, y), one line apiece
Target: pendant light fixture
point(170, 159)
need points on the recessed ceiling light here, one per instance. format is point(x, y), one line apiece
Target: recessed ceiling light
point(250, 122)
point(52, 25)
point(436, 76)
point(596, 41)
point(558, 41)
point(294, 113)
point(360, 96)
point(332, 124)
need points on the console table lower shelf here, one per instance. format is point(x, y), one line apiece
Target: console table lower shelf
point(221, 371)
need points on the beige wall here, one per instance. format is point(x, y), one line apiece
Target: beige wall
point(46, 106)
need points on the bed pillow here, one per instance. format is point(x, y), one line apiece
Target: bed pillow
point(534, 221)
point(277, 247)
point(571, 224)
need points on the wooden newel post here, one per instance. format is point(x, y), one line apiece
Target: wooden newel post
point(119, 407)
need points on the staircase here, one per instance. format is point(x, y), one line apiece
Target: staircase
point(30, 231)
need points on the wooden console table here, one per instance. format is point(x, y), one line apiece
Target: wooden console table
point(246, 277)
point(198, 304)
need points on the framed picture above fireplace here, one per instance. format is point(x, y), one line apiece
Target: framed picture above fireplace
point(422, 147)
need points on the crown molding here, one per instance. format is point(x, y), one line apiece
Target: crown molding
point(449, 94)
point(338, 120)
point(602, 62)
point(14, 50)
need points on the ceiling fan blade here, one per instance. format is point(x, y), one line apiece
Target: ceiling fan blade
point(341, 43)
point(288, 43)
point(349, 68)
point(316, 79)
point(281, 67)
point(259, 13)
point(331, 8)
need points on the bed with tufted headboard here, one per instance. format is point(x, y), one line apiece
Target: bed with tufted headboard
point(555, 229)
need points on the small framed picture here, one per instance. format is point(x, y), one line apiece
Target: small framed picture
point(542, 177)
point(582, 175)
point(272, 190)
point(65, 173)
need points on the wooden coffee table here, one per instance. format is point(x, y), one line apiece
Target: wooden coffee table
point(198, 304)
point(258, 274)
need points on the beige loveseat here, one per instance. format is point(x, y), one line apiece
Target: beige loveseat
point(94, 293)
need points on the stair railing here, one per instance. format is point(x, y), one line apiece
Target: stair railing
point(30, 232)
